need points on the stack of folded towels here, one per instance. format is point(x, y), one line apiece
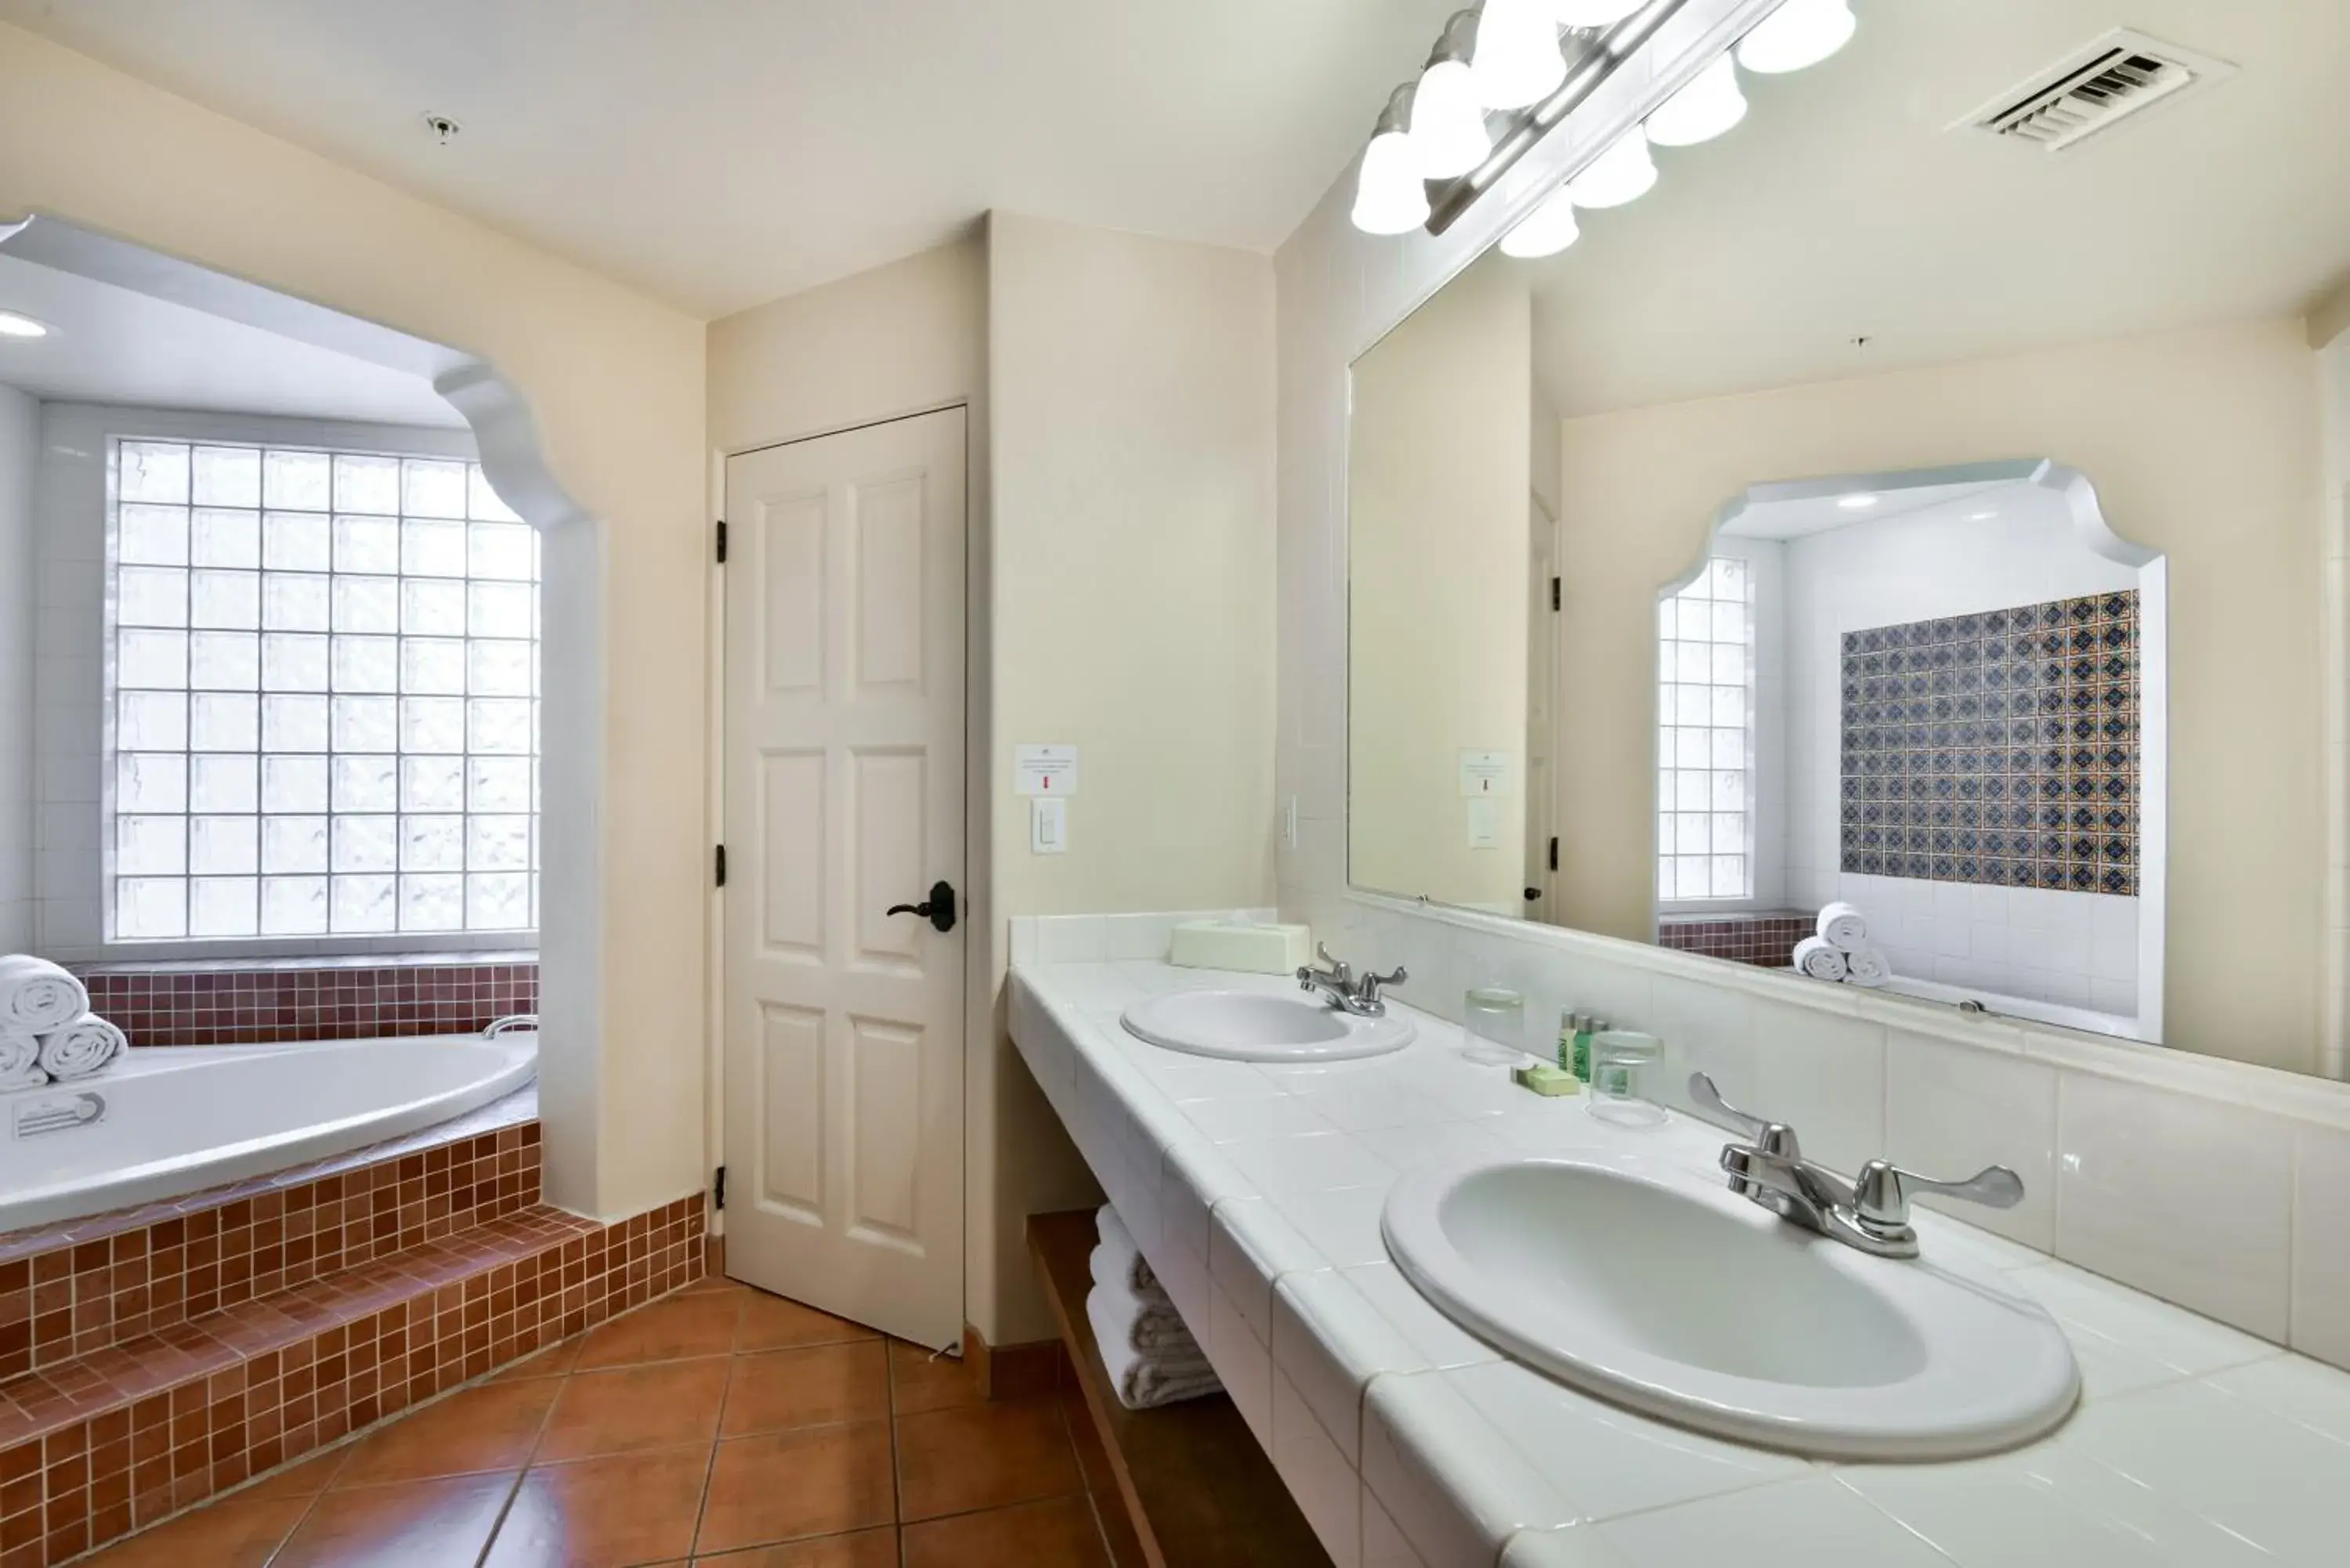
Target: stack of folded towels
point(1839, 949)
point(47, 1033)
point(1150, 1356)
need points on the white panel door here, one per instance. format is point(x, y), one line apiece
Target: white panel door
point(844, 798)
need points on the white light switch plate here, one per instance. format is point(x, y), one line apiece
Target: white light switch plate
point(1048, 825)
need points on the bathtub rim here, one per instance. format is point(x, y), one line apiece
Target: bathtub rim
point(40, 1217)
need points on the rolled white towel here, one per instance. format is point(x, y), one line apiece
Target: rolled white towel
point(20, 1061)
point(1143, 1380)
point(1816, 958)
point(82, 1049)
point(1117, 1253)
point(36, 996)
point(1152, 1324)
point(1842, 927)
point(1869, 965)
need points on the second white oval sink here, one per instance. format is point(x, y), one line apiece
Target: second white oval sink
point(1262, 1026)
point(1684, 1301)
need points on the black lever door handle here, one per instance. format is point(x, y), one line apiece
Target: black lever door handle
point(939, 909)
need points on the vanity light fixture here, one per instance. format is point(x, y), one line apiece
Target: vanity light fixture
point(1855, 503)
point(1549, 229)
point(1623, 173)
point(15, 325)
point(1798, 34)
point(1390, 196)
point(1517, 60)
point(1447, 123)
point(1709, 105)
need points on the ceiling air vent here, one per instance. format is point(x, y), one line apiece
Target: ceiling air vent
point(2113, 79)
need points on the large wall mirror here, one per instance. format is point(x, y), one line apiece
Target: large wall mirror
point(1897, 553)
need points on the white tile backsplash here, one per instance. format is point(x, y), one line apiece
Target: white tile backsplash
point(2321, 1243)
point(1952, 1109)
point(2187, 1200)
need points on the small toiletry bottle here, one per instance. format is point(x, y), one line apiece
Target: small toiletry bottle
point(1569, 1022)
point(1587, 1027)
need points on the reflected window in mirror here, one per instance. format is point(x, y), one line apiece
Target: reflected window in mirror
point(1706, 741)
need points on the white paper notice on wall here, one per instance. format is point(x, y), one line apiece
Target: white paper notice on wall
point(1044, 770)
point(1485, 773)
point(1484, 822)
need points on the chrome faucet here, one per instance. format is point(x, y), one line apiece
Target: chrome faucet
point(1871, 1213)
point(1339, 985)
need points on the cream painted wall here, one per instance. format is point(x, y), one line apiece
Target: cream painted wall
point(1438, 475)
point(20, 425)
point(616, 382)
point(2202, 444)
point(1131, 393)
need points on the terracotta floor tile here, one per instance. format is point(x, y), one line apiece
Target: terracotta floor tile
point(820, 1385)
point(1059, 1534)
point(604, 1514)
point(659, 1406)
point(983, 1455)
point(772, 1323)
point(408, 1525)
point(490, 1428)
point(1117, 1530)
point(820, 1481)
point(669, 1330)
point(1092, 1459)
point(919, 1380)
point(237, 1533)
point(553, 1362)
point(865, 1549)
point(307, 1479)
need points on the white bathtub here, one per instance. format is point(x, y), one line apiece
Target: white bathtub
point(176, 1120)
point(2030, 1009)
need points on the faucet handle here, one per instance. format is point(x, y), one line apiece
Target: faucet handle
point(1881, 1196)
point(1772, 1137)
point(1373, 982)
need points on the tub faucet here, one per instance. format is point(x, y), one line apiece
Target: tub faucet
point(1871, 1213)
point(510, 1023)
point(1339, 985)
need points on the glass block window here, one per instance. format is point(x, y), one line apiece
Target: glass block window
point(322, 677)
point(1705, 757)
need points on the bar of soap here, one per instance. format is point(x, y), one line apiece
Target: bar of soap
point(1544, 1079)
point(1245, 945)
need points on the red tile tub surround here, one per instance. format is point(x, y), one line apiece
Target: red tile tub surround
point(258, 1003)
point(118, 1441)
point(1767, 939)
point(83, 1285)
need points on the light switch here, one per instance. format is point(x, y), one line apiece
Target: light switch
point(1048, 825)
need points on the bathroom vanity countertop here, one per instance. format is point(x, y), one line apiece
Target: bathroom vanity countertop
point(1256, 1191)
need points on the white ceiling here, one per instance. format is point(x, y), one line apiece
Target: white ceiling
point(1843, 207)
point(721, 154)
point(1794, 517)
point(113, 345)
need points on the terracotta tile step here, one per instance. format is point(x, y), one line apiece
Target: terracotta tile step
point(95, 1447)
point(56, 1396)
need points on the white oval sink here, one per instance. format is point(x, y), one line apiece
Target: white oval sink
point(1684, 1301)
point(1262, 1026)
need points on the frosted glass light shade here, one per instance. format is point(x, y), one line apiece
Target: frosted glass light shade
point(1593, 13)
point(1517, 60)
point(1709, 105)
point(15, 325)
point(1389, 196)
point(1622, 173)
point(1800, 33)
point(1549, 229)
point(1448, 124)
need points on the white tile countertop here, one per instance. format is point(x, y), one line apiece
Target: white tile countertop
point(1255, 1191)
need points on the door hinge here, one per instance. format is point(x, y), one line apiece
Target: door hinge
point(1554, 582)
point(721, 865)
point(721, 541)
point(1553, 853)
point(718, 1189)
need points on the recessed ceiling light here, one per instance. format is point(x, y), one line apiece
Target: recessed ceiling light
point(1980, 516)
point(1855, 503)
point(444, 130)
point(15, 325)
